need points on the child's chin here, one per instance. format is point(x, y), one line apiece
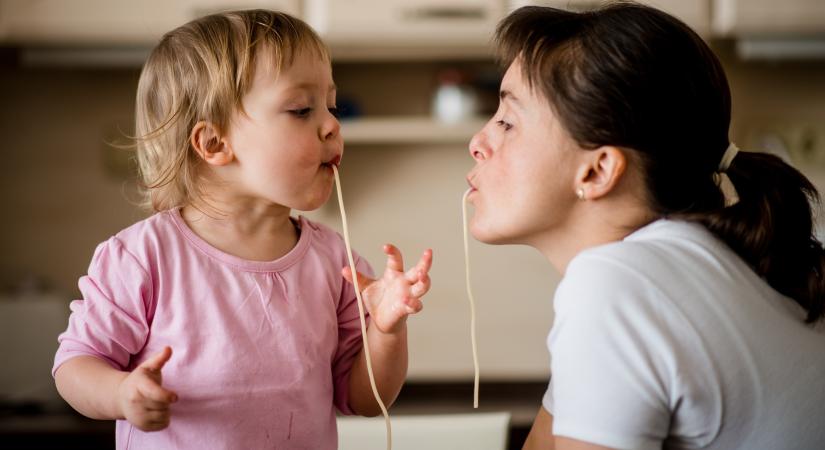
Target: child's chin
point(312, 205)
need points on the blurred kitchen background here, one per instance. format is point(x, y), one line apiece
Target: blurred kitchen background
point(416, 79)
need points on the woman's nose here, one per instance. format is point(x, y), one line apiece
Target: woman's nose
point(479, 147)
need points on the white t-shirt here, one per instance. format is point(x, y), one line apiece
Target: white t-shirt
point(668, 339)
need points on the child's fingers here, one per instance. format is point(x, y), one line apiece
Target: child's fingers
point(421, 286)
point(413, 305)
point(424, 265)
point(158, 360)
point(152, 405)
point(394, 259)
point(155, 393)
point(157, 420)
point(363, 280)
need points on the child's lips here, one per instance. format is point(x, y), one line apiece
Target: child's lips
point(335, 161)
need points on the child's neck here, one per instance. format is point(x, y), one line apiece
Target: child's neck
point(255, 234)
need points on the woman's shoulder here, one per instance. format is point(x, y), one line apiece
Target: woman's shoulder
point(654, 261)
point(658, 246)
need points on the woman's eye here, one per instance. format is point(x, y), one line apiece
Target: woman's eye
point(504, 125)
point(303, 112)
point(335, 111)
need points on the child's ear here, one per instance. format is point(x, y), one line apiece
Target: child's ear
point(600, 172)
point(207, 141)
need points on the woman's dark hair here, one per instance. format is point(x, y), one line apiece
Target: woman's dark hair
point(634, 77)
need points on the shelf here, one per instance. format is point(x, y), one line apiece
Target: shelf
point(411, 49)
point(408, 130)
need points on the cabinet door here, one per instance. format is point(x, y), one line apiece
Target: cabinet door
point(109, 22)
point(768, 17)
point(696, 13)
point(404, 22)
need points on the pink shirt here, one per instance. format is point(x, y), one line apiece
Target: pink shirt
point(261, 350)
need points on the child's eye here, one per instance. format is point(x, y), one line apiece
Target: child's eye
point(335, 111)
point(303, 112)
point(507, 126)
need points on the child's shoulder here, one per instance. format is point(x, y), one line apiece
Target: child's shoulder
point(142, 243)
point(145, 237)
point(151, 228)
point(327, 239)
point(322, 234)
point(329, 243)
point(319, 229)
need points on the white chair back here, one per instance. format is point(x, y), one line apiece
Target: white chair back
point(477, 431)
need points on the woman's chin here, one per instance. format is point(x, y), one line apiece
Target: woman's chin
point(489, 236)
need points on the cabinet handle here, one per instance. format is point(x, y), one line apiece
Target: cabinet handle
point(444, 13)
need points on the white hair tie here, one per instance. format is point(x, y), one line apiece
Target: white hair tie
point(723, 180)
point(727, 158)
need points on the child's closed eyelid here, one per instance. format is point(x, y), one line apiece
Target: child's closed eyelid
point(300, 112)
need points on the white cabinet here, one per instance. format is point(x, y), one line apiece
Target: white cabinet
point(404, 24)
point(768, 17)
point(431, 21)
point(696, 13)
point(109, 22)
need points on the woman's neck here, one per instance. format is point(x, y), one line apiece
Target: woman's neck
point(593, 224)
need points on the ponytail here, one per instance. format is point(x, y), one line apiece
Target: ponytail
point(772, 228)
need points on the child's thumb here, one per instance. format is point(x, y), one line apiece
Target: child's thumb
point(158, 360)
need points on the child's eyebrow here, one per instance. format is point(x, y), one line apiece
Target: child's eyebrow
point(309, 86)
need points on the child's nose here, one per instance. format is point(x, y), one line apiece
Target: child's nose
point(330, 129)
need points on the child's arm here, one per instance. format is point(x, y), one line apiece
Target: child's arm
point(389, 300)
point(97, 390)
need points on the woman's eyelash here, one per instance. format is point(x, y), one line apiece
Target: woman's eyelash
point(335, 111)
point(507, 126)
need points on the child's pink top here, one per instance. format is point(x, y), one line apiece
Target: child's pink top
point(261, 350)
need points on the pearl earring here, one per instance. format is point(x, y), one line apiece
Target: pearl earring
point(580, 193)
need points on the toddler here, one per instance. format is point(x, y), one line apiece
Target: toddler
point(221, 321)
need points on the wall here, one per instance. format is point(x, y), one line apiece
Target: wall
point(61, 200)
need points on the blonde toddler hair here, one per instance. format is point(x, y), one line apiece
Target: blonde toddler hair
point(200, 72)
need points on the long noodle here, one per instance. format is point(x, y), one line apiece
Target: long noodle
point(361, 308)
point(470, 295)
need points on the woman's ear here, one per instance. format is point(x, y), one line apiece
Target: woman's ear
point(601, 172)
point(207, 141)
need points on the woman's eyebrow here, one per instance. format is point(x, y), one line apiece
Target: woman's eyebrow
point(508, 96)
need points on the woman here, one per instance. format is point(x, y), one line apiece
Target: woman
point(691, 276)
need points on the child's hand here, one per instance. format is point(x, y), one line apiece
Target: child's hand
point(142, 399)
point(391, 298)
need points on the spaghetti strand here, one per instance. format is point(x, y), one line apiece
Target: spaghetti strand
point(361, 308)
point(470, 296)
